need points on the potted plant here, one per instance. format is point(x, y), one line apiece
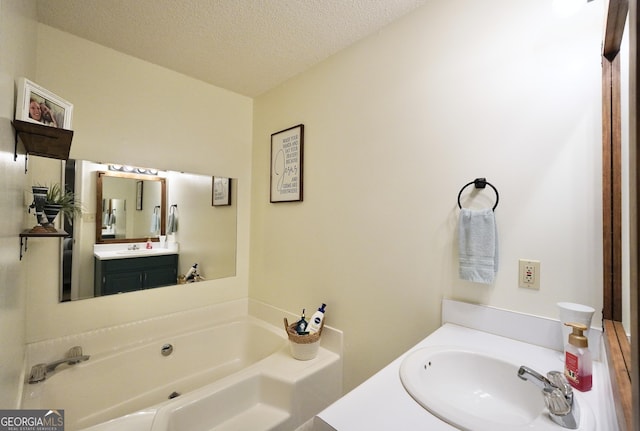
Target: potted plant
point(60, 200)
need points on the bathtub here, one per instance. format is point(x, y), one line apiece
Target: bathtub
point(234, 374)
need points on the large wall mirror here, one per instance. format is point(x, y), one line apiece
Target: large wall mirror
point(121, 208)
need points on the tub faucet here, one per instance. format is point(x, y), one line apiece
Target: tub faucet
point(73, 356)
point(558, 396)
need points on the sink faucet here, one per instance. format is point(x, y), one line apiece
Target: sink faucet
point(133, 247)
point(558, 396)
point(72, 357)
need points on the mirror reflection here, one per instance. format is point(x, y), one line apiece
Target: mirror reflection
point(123, 210)
point(130, 207)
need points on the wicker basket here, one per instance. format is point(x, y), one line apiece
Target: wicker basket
point(303, 347)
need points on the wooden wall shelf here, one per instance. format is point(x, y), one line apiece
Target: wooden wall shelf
point(29, 233)
point(43, 141)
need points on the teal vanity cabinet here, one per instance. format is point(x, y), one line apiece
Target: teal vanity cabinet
point(134, 273)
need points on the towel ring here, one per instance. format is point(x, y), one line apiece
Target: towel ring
point(480, 183)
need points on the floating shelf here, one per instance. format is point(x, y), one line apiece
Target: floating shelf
point(30, 233)
point(43, 141)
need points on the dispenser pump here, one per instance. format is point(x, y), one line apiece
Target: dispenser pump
point(577, 338)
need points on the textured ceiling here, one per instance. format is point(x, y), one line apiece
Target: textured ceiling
point(246, 46)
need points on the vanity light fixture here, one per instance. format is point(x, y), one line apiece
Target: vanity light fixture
point(134, 169)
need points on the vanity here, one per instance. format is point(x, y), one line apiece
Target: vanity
point(120, 270)
point(472, 340)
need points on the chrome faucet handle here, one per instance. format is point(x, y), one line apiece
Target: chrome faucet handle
point(557, 379)
point(74, 354)
point(557, 403)
point(38, 373)
point(74, 351)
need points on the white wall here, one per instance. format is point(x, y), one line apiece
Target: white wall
point(394, 127)
point(17, 48)
point(132, 112)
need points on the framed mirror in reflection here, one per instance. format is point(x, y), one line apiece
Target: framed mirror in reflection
point(123, 208)
point(146, 214)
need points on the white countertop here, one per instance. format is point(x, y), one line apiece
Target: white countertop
point(120, 251)
point(381, 403)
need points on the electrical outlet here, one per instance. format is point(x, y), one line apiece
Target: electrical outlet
point(89, 217)
point(529, 274)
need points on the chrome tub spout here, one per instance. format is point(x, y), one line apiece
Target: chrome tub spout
point(40, 372)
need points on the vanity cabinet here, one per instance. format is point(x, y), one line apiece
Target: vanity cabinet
point(135, 273)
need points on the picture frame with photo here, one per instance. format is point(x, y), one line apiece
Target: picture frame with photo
point(35, 104)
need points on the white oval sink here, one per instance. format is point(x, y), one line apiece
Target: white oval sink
point(474, 391)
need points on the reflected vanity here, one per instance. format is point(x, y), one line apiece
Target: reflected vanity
point(106, 252)
point(119, 268)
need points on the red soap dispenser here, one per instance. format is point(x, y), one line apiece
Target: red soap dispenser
point(578, 366)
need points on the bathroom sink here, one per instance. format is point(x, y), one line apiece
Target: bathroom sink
point(472, 390)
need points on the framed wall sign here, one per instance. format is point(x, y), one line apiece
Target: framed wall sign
point(36, 104)
point(139, 190)
point(286, 164)
point(221, 191)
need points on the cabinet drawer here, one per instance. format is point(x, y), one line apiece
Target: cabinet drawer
point(139, 263)
point(129, 274)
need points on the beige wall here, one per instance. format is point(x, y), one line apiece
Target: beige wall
point(133, 112)
point(17, 48)
point(394, 127)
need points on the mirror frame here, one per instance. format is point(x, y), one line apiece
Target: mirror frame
point(622, 355)
point(163, 204)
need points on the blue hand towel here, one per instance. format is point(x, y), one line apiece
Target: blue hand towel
point(478, 245)
point(155, 220)
point(172, 225)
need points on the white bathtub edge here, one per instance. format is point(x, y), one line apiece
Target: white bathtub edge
point(332, 338)
point(117, 337)
point(139, 421)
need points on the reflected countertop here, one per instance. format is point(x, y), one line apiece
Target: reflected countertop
point(122, 251)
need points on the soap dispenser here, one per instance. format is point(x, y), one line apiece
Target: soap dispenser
point(578, 366)
point(316, 320)
point(301, 325)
